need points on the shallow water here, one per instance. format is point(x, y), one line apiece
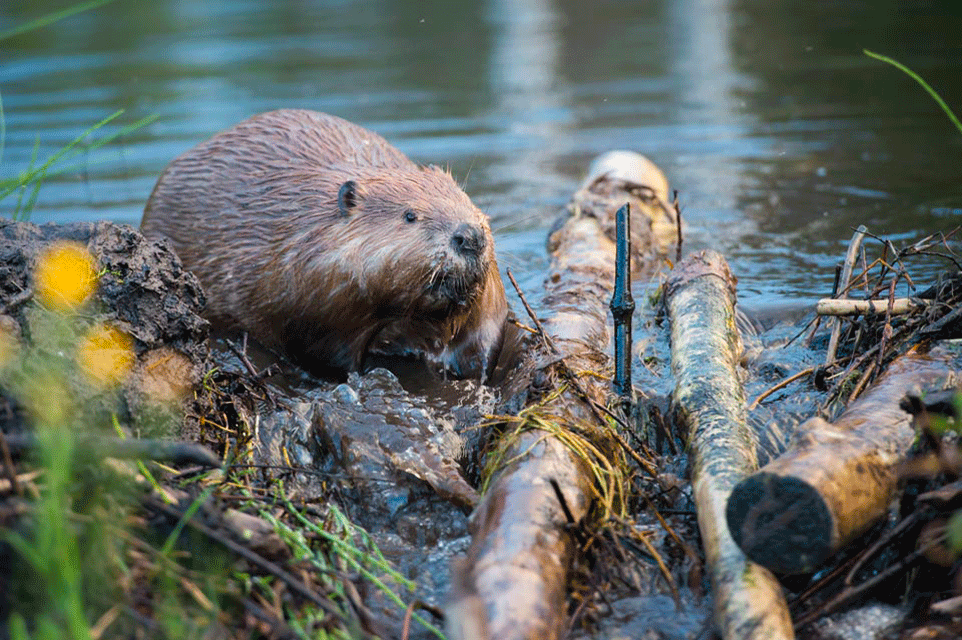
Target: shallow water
point(780, 135)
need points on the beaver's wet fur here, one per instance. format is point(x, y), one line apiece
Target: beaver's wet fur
point(323, 241)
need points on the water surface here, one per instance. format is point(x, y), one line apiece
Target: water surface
point(780, 135)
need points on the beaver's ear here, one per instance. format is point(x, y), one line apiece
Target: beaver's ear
point(347, 198)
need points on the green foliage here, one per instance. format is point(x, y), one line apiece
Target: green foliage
point(354, 549)
point(932, 92)
point(28, 182)
point(51, 551)
point(66, 565)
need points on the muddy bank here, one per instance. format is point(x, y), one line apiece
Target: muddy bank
point(372, 481)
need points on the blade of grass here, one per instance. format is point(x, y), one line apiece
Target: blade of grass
point(901, 67)
point(188, 514)
point(3, 128)
point(10, 185)
point(50, 18)
point(32, 200)
point(93, 146)
point(33, 161)
point(49, 168)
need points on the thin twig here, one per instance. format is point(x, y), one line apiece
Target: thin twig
point(849, 594)
point(8, 465)
point(863, 380)
point(870, 553)
point(663, 568)
point(409, 614)
point(850, 258)
point(781, 385)
point(17, 300)
point(137, 448)
point(678, 227)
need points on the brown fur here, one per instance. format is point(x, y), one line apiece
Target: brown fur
point(257, 213)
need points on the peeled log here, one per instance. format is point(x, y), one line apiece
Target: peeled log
point(710, 402)
point(513, 581)
point(835, 480)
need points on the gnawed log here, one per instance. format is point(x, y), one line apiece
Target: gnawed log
point(844, 307)
point(710, 402)
point(835, 480)
point(516, 571)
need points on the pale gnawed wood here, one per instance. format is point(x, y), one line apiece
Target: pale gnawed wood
point(710, 402)
point(837, 307)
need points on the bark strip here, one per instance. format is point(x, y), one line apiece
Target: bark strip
point(836, 479)
point(513, 582)
point(710, 402)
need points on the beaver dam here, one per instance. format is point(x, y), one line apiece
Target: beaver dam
point(722, 476)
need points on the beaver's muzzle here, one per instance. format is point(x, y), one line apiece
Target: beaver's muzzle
point(468, 240)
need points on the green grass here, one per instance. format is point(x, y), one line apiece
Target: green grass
point(27, 183)
point(932, 92)
point(51, 18)
point(66, 565)
point(355, 548)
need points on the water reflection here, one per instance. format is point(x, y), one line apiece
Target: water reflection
point(779, 133)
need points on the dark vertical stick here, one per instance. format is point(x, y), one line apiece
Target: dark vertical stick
point(677, 227)
point(623, 306)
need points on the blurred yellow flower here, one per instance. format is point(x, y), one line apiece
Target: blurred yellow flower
point(106, 354)
point(66, 275)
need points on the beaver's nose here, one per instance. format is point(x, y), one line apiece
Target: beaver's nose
point(468, 240)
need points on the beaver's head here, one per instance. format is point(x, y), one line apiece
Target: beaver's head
point(419, 245)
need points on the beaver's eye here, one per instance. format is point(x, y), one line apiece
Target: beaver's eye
point(410, 216)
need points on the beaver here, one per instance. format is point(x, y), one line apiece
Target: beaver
point(322, 241)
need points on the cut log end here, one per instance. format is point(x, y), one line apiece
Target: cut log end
point(780, 522)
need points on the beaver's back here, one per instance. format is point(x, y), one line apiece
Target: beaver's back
point(310, 231)
point(224, 203)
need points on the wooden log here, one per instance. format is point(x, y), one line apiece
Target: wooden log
point(836, 479)
point(845, 307)
point(513, 582)
point(710, 402)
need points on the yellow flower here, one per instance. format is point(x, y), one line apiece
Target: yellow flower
point(66, 275)
point(106, 354)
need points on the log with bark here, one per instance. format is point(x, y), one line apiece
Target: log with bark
point(836, 479)
point(558, 455)
point(710, 404)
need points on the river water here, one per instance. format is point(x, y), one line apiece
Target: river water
point(779, 134)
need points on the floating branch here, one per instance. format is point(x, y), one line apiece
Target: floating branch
point(512, 584)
